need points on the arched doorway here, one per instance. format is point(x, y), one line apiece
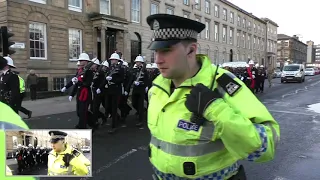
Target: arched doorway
point(135, 46)
point(231, 55)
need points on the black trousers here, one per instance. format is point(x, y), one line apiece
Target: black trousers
point(83, 102)
point(138, 103)
point(33, 91)
point(262, 84)
point(111, 104)
point(22, 109)
point(95, 108)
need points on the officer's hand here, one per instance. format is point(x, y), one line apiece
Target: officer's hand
point(200, 98)
point(146, 89)
point(126, 93)
point(98, 91)
point(136, 83)
point(74, 80)
point(67, 158)
point(108, 78)
point(70, 98)
point(63, 89)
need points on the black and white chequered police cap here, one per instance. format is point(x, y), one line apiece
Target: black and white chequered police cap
point(171, 29)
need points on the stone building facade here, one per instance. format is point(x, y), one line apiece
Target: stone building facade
point(55, 32)
point(291, 50)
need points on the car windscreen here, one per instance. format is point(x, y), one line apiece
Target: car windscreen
point(291, 68)
point(309, 69)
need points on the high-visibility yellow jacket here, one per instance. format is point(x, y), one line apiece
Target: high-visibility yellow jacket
point(79, 165)
point(9, 120)
point(239, 127)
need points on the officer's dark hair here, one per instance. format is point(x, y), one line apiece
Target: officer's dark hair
point(188, 42)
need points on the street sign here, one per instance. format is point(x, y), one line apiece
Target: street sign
point(18, 45)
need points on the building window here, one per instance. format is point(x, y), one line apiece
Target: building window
point(216, 11)
point(224, 34)
point(238, 38)
point(75, 5)
point(254, 42)
point(239, 21)
point(186, 2)
point(249, 25)
point(207, 6)
point(258, 43)
point(154, 8)
point(135, 11)
point(243, 40)
point(262, 44)
point(207, 29)
point(153, 55)
point(197, 4)
point(170, 10)
point(105, 7)
point(198, 20)
point(244, 23)
point(38, 40)
point(231, 17)
point(224, 11)
point(186, 14)
point(216, 32)
point(254, 27)
point(231, 36)
point(258, 28)
point(58, 83)
point(39, 1)
point(249, 42)
point(75, 43)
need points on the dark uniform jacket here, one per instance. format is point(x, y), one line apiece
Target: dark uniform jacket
point(10, 89)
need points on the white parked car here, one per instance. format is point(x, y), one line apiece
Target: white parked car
point(310, 72)
point(85, 149)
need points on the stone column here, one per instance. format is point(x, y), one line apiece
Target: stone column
point(126, 42)
point(103, 43)
point(94, 41)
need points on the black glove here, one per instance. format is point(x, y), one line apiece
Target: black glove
point(67, 158)
point(200, 98)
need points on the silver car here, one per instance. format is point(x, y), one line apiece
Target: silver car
point(310, 72)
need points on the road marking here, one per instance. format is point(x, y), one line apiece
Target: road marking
point(293, 112)
point(280, 178)
point(115, 161)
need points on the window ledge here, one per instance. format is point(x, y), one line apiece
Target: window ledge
point(36, 58)
point(39, 1)
point(74, 8)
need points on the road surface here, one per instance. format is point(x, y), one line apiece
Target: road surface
point(123, 155)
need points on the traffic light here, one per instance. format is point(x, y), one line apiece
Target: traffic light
point(5, 41)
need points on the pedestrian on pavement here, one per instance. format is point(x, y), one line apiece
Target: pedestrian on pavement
point(22, 96)
point(9, 120)
point(32, 84)
point(64, 159)
point(270, 75)
point(203, 120)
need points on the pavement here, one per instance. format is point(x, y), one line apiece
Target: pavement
point(123, 155)
point(36, 170)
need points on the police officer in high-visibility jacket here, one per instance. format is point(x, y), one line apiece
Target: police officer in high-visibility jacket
point(202, 119)
point(9, 120)
point(22, 95)
point(64, 159)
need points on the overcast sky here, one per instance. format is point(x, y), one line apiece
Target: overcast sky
point(292, 16)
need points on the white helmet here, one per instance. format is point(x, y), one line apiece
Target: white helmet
point(251, 62)
point(96, 61)
point(10, 61)
point(105, 63)
point(257, 65)
point(262, 66)
point(154, 65)
point(19, 146)
point(125, 64)
point(84, 57)
point(148, 66)
point(115, 56)
point(30, 145)
point(139, 59)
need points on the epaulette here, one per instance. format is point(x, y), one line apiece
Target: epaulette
point(228, 83)
point(76, 152)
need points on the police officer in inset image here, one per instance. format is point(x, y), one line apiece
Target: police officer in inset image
point(64, 159)
point(9, 84)
point(202, 118)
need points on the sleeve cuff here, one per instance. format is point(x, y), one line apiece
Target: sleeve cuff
point(264, 143)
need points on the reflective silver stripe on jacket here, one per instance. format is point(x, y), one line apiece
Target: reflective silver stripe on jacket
point(219, 175)
point(200, 149)
point(9, 126)
point(69, 172)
